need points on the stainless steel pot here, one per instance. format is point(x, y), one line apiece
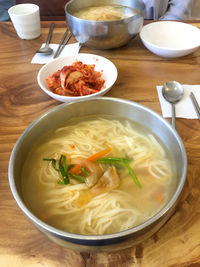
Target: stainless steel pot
point(104, 34)
point(105, 105)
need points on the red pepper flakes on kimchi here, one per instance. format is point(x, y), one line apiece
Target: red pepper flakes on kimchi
point(77, 79)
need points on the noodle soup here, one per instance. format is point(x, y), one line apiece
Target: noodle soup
point(98, 175)
point(105, 13)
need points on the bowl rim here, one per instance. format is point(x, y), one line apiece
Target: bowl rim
point(106, 237)
point(164, 47)
point(72, 98)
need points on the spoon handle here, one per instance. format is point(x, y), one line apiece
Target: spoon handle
point(50, 33)
point(173, 116)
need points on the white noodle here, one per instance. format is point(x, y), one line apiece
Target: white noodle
point(117, 210)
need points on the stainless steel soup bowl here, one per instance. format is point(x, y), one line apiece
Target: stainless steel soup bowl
point(104, 34)
point(105, 105)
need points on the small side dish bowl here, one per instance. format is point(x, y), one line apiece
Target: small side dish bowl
point(170, 39)
point(103, 65)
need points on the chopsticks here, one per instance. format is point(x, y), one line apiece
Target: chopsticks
point(195, 104)
point(67, 35)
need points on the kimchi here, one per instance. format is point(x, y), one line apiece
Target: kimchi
point(77, 79)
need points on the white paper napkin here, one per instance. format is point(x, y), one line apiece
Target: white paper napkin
point(69, 50)
point(184, 108)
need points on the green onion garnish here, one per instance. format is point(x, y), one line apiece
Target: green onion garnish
point(53, 162)
point(61, 182)
point(131, 172)
point(122, 162)
point(84, 171)
point(109, 160)
point(63, 169)
point(77, 177)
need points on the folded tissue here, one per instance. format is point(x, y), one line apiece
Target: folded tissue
point(184, 108)
point(69, 50)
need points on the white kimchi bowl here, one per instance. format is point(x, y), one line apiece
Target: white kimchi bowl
point(108, 69)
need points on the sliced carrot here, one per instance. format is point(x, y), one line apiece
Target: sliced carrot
point(43, 216)
point(159, 197)
point(99, 155)
point(77, 168)
point(72, 146)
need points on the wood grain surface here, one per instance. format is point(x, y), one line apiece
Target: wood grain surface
point(177, 243)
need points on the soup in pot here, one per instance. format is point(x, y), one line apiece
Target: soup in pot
point(98, 175)
point(106, 13)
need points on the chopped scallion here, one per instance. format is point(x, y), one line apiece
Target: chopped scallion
point(109, 160)
point(122, 162)
point(63, 169)
point(77, 177)
point(131, 172)
point(84, 171)
point(53, 162)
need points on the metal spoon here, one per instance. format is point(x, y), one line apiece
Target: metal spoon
point(46, 49)
point(173, 92)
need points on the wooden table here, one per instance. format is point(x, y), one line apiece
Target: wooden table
point(177, 243)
